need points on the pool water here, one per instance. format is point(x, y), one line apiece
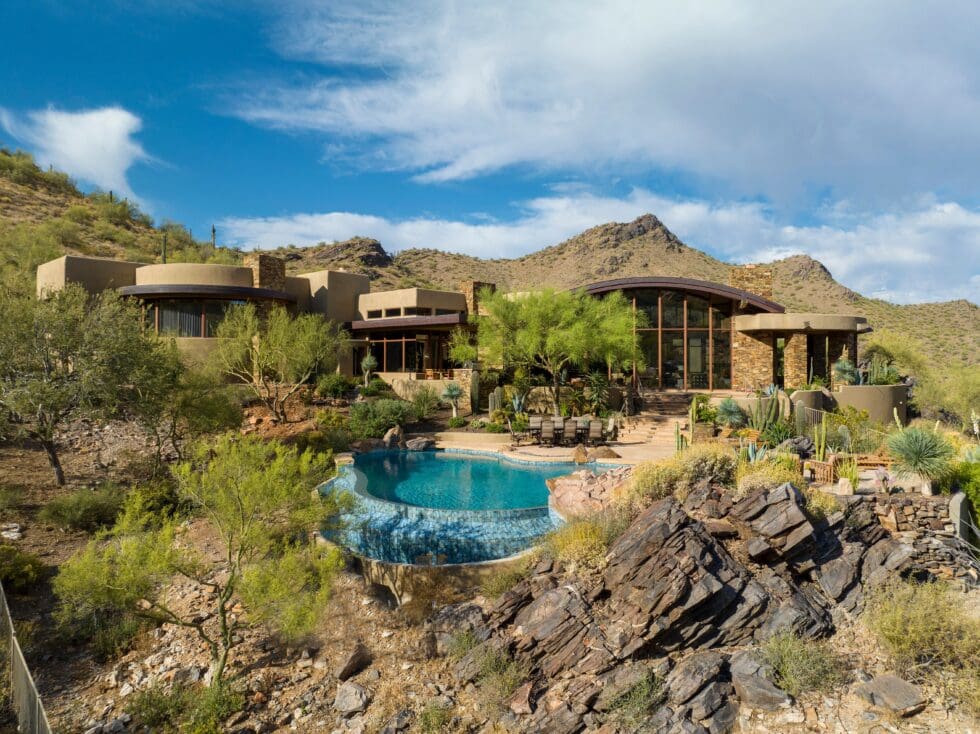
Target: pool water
point(444, 507)
point(449, 481)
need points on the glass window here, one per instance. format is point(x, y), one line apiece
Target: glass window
point(697, 359)
point(393, 352)
point(378, 352)
point(673, 310)
point(646, 301)
point(697, 313)
point(180, 318)
point(445, 311)
point(722, 360)
point(722, 315)
point(648, 352)
point(214, 314)
point(374, 314)
point(417, 311)
point(673, 362)
point(393, 312)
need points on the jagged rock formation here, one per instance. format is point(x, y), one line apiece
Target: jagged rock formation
point(674, 599)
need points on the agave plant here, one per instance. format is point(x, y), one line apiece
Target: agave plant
point(916, 451)
point(729, 414)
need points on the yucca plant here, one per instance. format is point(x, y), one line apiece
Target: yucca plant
point(763, 413)
point(844, 372)
point(916, 451)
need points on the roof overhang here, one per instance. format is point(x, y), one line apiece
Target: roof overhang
point(223, 292)
point(802, 323)
point(704, 287)
point(409, 322)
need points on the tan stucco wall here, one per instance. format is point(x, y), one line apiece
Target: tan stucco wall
point(334, 293)
point(806, 322)
point(299, 288)
point(95, 274)
point(194, 274)
point(879, 400)
point(410, 297)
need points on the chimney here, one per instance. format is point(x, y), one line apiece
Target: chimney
point(756, 279)
point(267, 271)
point(471, 292)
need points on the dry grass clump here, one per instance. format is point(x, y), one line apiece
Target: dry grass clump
point(801, 666)
point(655, 480)
point(581, 543)
point(630, 709)
point(819, 505)
point(505, 579)
point(767, 474)
point(500, 675)
point(929, 636)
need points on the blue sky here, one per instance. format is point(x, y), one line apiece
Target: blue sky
point(753, 130)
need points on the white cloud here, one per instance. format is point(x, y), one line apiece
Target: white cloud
point(780, 100)
point(929, 252)
point(96, 146)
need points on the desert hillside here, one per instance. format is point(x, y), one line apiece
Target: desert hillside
point(43, 215)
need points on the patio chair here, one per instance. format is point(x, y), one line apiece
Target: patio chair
point(534, 427)
point(582, 428)
point(570, 431)
point(595, 433)
point(548, 433)
point(516, 436)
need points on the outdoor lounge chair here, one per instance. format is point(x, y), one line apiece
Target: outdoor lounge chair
point(534, 427)
point(595, 433)
point(548, 433)
point(570, 431)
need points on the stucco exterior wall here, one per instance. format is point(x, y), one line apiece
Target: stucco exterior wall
point(92, 273)
point(409, 297)
point(335, 293)
point(194, 274)
point(879, 400)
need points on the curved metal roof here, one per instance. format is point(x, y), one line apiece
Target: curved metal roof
point(691, 285)
point(226, 292)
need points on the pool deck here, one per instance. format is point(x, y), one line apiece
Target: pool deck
point(631, 452)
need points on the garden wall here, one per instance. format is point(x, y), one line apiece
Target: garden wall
point(405, 385)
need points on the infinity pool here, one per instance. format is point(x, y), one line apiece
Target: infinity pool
point(444, 507)
point(449, 481)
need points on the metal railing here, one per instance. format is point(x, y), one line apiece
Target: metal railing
point(858, 438)
point(24, 698)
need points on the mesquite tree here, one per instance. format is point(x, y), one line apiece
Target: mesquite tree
point(71, 355)
point(258, 499)
point(276, 354)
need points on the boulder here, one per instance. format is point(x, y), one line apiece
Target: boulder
point(584, 492)
point(753, 685)
point(891, 693)
point(352, 698)
point(802, 446)
point(420, 443)
point(777, 517)
point(356, 660)
point(394, 437)
point(520, 701)
point(453, 619)
point(602, 452)
point(580, 455)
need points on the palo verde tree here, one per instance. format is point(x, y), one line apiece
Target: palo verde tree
point(554, 330)
point(276, 354)
point(69, 356)
point(258, 498)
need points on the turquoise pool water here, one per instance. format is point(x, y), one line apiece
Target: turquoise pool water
point(444, 507)
point(448, 481)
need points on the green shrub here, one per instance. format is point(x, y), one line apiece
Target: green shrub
point(160, 499)
point(373, 419)
point(334, 385)
point(159, 708)
point(631, 708)
point(500, 675)
point(376, 388)
point(461, 643)
point(777, 432)
point(965, 477)
point(802, 666)
point(495, 428)
point(921, 451)
point(64, 232)
point(729, 414)
point(654, 480)
point(20, 168)
point(19, 571)
point(85, 509)
point(334, 428)
point(79, 214)
point(712, 461)
point(457, 422)
point(927, 630)
point(425, 401)
point(435, 719)
point(211, 707)
point(10, 498)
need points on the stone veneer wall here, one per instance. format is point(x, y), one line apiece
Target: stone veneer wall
point(904, 512)
point(795, 367)
point(470, 290)
point(267, 271)
point(752, 355)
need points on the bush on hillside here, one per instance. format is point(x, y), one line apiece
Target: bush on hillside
point(19, 571)
point(373, 419)
point(802, 666)
point(85, 509)
point(20, 168)
point(376, 388)
point(334, 385)
point(426, 401)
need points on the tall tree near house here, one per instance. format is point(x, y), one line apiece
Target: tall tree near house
point(277, 354)
point(257, 497)
point(69, 356)
point(554, 330)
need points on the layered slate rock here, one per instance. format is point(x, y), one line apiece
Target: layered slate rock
point(782, 530)
point(753, 683)
point(891, 693)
